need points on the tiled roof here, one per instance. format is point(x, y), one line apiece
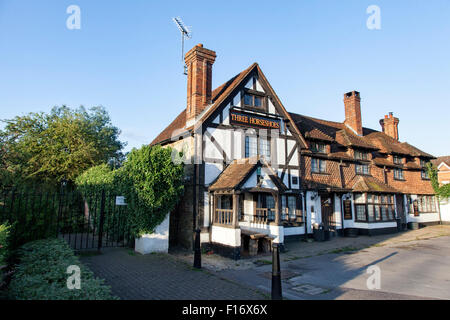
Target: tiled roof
point(336, 133)
point(177, 124)
point(416, 152)
point(370, 184)
point(348, 139)
point(341, 135)
point(238, 170)
point(385, 162)
point(234, 173)
point(439, 160)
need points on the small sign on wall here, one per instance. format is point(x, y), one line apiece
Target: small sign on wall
point(347, 210)
point(120, 201)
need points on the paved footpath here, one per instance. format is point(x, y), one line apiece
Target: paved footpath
point(133, 276)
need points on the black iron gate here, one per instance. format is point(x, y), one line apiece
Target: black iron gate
point(85, 221)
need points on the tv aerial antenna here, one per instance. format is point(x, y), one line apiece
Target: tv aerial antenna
point(185, 34)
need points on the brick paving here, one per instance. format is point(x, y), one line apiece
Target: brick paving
point(162, 277)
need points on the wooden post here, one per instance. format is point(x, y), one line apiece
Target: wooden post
point(278, 208)
point(235, 209)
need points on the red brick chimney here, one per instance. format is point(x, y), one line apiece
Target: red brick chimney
point(352, 102)
point(389, 125)
point(199, 62)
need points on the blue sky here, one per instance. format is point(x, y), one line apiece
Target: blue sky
point(126, 57)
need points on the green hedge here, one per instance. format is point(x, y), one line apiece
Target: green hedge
point(42, 274)
point(150, 181)
point(4, 246)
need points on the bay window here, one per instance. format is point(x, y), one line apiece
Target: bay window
point(426, 204)
point(374, 207)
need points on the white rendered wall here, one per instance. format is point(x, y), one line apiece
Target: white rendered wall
point(337, 212)
point(226, 236)
point(158, 241)
point(445, 210)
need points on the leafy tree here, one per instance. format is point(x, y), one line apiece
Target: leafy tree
point(60, 145)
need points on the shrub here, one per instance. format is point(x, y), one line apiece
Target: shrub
point(42, 274)
point(150, 181)
point(4, 245)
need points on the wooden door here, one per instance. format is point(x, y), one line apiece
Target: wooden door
point(327, 206)
point(400, 208)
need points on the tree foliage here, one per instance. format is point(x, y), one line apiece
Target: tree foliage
point(150, 181)
point(442, 191)
point(55, 146)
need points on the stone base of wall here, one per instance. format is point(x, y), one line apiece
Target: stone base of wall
point(431, 223)
point(375, 232)
point(224, 250)
point(294, 238)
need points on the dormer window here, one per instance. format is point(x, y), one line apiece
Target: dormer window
point(423, 163)
point(398, 160)
point(362, 169)
point(361, 155)
point(398, 174)
point(252, 100)
point(318, 147)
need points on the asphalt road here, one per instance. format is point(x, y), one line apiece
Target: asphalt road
point(409, 270)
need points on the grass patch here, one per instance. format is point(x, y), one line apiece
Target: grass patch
point(344, 249)
point(263, 262)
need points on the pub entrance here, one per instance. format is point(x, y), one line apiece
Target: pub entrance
point(327, 209)
point(400, 210)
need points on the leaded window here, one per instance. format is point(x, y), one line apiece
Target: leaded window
point(318, 165)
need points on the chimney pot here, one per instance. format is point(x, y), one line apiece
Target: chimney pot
point(389, 125)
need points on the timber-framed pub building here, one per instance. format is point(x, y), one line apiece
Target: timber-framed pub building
point(257, 174)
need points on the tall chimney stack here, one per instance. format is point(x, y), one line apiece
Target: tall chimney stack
point(389, 125)
point(352, 102)
point(199, 62)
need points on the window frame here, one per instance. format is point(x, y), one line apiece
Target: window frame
point(427, 206)
point(361, 155)
point(319, 168)
point(318, 147)
point(402, 174)
point(362, 165)
point(257, 147)
point(424, 174)
point(398, 160)
point(247, 145)
point(382, 207)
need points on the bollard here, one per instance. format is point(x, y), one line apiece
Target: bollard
point(197, 251)
point(276, 273)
